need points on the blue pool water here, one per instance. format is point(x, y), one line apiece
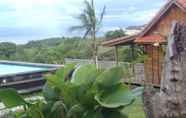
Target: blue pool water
point(7, 69)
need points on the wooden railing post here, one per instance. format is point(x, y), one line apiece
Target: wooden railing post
point(116, 55)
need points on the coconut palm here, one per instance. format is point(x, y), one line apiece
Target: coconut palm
point(90, 23)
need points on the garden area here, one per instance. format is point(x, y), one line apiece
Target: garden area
point(59, 88)
point(82, 91)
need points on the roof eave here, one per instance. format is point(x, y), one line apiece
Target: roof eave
point(120, 41)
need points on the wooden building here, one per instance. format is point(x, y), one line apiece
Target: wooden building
point(153, 36)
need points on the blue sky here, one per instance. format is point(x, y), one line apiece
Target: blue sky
point(24, 20)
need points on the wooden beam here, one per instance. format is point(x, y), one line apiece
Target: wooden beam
point(116, 55)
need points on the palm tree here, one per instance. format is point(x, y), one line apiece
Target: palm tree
point(90, 23)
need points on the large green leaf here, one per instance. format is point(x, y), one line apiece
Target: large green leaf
point(85, 74)
point(54, 81)
point(110, 77)
point(84, 77)
point(69, 94)
point(51, 93)
point(11, 98)
point(92, 114)
point(75, 110)
point(116, 96)
point(113, 113)
point(35, 110)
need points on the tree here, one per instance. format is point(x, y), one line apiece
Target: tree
point(114, 34)
point(90, 24)
point(7, 49)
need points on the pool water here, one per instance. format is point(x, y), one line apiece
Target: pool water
point(9, 69)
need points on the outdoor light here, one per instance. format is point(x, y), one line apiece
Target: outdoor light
point(4, 80)
point(157, 44)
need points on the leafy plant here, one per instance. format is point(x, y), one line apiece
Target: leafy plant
point(77, 92)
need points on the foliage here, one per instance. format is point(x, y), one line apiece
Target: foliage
point(7, 49)
point(90, 23)
point(126, 54)
point(54, 51)
point(136, 110)
point(114, 34)
point(78, 92)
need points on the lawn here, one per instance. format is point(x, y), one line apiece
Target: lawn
point(135, 110)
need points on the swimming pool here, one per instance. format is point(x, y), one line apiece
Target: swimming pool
point(25, 77)
point(7, 69)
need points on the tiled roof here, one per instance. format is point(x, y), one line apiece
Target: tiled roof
point(149, 39)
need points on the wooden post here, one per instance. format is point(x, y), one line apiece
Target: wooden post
point(116, 55)
point(132, 57)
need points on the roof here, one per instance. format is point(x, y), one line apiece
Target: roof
point(122, 40)
point(180, 3)
point(149, 39)
point(125, 40)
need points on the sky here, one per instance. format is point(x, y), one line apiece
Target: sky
point(25, 20)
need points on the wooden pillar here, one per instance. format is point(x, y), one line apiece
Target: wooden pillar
point(116, 55)
point(132, 57)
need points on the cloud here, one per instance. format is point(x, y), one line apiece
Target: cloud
point(42, 18)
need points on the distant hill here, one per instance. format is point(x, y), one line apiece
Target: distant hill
point(45, 42)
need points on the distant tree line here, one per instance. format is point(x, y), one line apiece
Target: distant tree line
point(54, 50)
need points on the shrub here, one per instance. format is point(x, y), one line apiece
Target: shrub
point(77, 92)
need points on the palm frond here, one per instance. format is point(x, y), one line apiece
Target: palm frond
point(84, 23)
point(101, 19)
point(89, 22)
point(102, 14)
point(90, 12)
point(78, 28)
point(84, 19)
point(88, 31)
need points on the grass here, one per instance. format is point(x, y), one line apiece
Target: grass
point(135, 110)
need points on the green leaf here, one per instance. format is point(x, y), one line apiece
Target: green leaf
point(113, 114)
point(75, 111)
point(85, 74)
point(59, 105)
point(58, 110)
point(54, 81)
point(11, 98)
point(69, 94)
point(51, 93)
point(93, 114)
point(35, 110)
point(110, 77)
point(117, 96)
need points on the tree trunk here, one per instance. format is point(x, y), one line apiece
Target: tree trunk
point(171, 101)
point(95, 48)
